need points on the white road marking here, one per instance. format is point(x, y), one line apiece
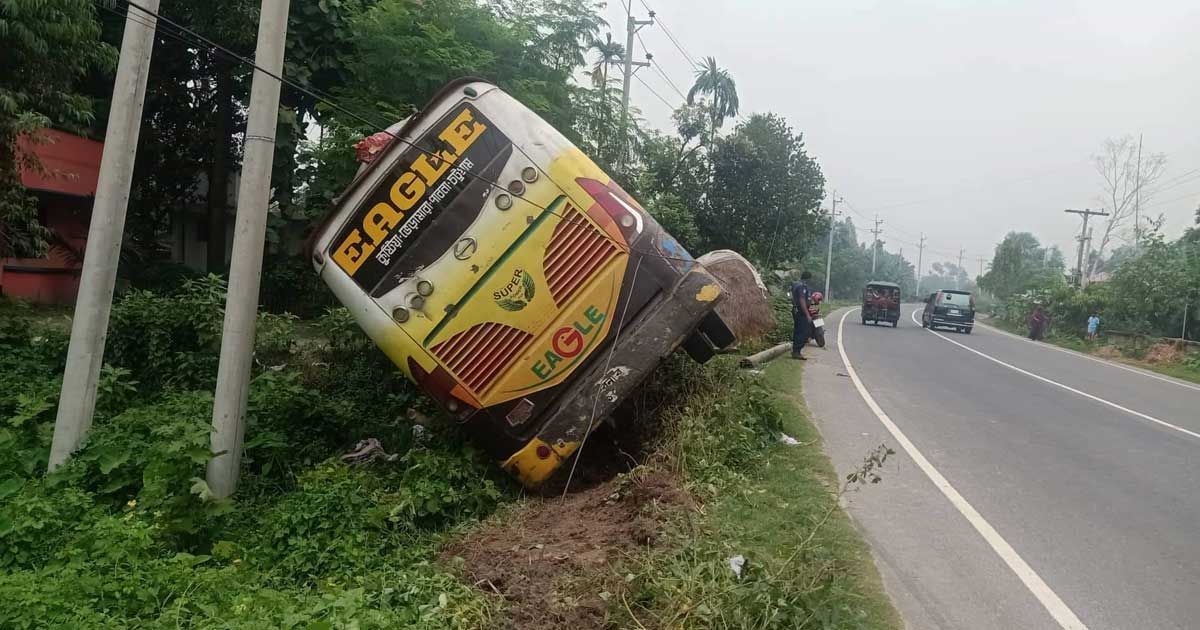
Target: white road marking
point(1066, 387)
point(1157, 377)
point(1048, 598)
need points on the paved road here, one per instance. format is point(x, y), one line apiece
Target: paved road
point(1016, 502)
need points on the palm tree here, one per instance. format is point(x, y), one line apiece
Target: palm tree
point(717, 84)
point(608, 53)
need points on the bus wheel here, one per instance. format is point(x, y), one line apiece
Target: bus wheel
point(698, 348)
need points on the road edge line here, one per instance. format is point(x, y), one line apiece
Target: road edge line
point(1050, 600)
point(1083, 355)
point(1066, 387)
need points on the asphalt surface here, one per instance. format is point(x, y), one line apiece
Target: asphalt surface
point(1095, 488)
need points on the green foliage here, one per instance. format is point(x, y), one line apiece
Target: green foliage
point(722, 424)
point(1022, 264)
point(805, 565)
point(49, 47)
point(766, 192)
point(1147, 293)
point(128, 535)
point(174, 340)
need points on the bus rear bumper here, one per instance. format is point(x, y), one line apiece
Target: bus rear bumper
point(617, 370)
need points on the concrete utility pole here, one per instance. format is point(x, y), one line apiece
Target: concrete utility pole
point(241, 306)
point(829, 251)
point(1082, 238)
point(89, 326)
point(920, 260)
point(961, 252)
point(981, 261)
point(1137, 202)
point(632, 26)
point(875, 244)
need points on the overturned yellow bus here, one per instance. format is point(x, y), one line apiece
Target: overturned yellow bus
point(511, 278)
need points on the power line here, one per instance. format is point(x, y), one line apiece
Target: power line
point(671, 36)
point(660, 97)
point(183, 34)
point(657, 68)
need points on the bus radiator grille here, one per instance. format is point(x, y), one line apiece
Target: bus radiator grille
point(576, 250)
point(477, 355)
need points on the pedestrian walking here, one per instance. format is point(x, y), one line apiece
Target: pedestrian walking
point(1037, 323)
point(801, 319)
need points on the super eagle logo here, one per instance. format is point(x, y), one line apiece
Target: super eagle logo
point(517, 293)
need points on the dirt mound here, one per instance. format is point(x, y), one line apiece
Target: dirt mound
point(1164, 352)
point(550, 559)
point(1107, 352)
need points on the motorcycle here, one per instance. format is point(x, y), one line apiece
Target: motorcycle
point(814, 311)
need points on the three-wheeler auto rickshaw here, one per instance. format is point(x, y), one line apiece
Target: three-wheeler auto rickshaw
point(881, 303)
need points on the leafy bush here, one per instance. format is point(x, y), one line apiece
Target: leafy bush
point(721, 426)
point(175, 340)
point(289, 285)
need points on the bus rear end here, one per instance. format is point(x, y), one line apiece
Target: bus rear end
point(509, 277)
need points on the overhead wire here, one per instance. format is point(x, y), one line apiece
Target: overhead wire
point(185, 35)
point(655, 93)
point(671, 36)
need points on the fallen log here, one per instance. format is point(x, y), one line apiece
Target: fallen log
point(756, 360)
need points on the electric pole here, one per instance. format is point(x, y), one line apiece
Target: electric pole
point(1082, 238)
point(632, 26)
point(981, 259)
point(245, 268)
point(875, 245)
point(77, 399)
point(920, 261)
point(1137, 202)
point(961, 271)
point(829, 251)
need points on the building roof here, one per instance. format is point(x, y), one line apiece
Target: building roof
point(70, 163)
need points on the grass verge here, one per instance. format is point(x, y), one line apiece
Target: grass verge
point(776, 507)
point(1187, 369)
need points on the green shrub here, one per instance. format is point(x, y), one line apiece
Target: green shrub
point(716, 431)
point(151, 456)
point(175, 340)
point(289, 285)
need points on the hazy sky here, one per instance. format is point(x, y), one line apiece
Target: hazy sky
point(963, 120)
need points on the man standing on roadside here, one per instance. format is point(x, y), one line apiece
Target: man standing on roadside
point(1093, 325)
point(801, 320)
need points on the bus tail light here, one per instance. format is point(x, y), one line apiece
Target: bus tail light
point(617, 205)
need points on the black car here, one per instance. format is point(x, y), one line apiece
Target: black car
point(949, 309)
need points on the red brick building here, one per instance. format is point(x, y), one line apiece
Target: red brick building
point(65, 191)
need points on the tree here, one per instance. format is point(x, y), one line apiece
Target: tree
point(718, 85)
point(50, 47)
point(607, 52)
point(1020, 264)
point(1128, 180)
point(766, 193)
point(946, 275)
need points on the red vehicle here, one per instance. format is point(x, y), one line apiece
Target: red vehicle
point(881, 303)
